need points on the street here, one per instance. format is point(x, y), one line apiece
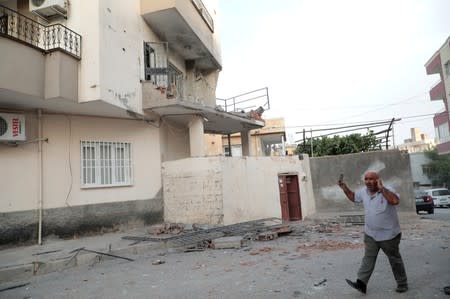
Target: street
point(312, 262)
point(439, 214)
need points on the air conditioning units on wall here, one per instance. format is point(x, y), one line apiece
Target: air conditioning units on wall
point(12, 127)
point(49, 8)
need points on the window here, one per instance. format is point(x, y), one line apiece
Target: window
point(426, 170)
point(159, 71)
point(236, 150)
point(443, 133)
point(105, 163)
point(447, 68)
point(155, 63)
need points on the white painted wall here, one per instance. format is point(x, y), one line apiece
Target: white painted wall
point(251, 187)
point(19, 182)
point(61, 160)
point(417, 160)
point(111, 68)
point(230, 189)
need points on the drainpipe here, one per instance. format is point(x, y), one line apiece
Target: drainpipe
point(40, 175)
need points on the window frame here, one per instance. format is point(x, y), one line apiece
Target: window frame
point(105, 164)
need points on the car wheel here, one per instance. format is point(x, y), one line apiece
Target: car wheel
point(431, 211)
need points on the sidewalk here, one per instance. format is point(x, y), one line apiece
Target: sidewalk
point(22, 262)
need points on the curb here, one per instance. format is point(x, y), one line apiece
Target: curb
point(28, 270)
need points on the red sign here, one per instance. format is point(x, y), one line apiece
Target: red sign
point(15, 127)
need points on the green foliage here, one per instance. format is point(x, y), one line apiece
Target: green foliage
point(339, 145)
point(438, 169)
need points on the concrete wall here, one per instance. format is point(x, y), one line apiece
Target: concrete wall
point(68, 206)
point(193, 190)
point(229, 190)
point(393, 167)
point(251, 189)
point(20, 64)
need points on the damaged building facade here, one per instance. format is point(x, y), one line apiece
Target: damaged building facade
point(103, 110)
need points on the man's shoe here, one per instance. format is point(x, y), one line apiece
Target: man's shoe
point(401, 288)
point(359, 285)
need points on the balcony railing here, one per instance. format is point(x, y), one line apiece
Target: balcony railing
point(204, 13)
point(18, 27)
point(245, 102)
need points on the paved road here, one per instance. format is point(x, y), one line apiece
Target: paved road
point(439, 214)
point(310, 264)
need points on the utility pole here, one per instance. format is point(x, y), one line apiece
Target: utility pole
point(312, 153)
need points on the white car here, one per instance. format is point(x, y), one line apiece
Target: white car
point(441, 196)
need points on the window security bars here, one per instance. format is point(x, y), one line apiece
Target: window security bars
point(204, 13)
point(16, 26)
point(160, 72)
point(105, 164)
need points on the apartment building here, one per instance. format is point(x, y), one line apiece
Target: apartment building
point(103, 109)
point(419, 142)
point(439, 64)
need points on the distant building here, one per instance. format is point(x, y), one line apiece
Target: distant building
point(439, 63)
point(419, 169)
point(266, 141)
point(417, 143)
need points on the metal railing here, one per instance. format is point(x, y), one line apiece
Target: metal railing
point(201, 8)
point(245, 102)
point(46, 38)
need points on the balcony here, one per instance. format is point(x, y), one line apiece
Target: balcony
point(437, 92)
point(433, 66)
point(188, 28)
point(50, 38)
point(168, 103)
point(29, 79)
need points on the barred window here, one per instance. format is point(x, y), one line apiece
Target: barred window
point(105, 163)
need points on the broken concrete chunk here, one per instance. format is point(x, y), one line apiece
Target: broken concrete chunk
point(267, 236)
point(227, 242)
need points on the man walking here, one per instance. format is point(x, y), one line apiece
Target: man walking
point(381, 230)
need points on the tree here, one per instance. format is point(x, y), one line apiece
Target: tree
point(438, 169)
point(339, 145)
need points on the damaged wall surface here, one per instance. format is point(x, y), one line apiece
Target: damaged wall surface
point(227, 190)
point(393, 167)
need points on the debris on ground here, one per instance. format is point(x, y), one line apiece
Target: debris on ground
point(166, 228)
point(261, 250)
point(227, 242)
point(78, 250)
point(330, 245)
point(158, 262)
point(320, 282)
point(14, 287)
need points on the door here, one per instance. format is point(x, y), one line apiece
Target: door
point(289, 197)
point(283, 198)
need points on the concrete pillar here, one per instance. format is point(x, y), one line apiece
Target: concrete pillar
point(196, 137)
point(246, 147)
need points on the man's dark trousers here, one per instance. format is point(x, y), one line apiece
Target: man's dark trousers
point(391, 249)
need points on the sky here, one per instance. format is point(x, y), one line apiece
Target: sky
point(335, 62)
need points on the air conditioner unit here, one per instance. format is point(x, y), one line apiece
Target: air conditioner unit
point(12, 127)
point(49, 8)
